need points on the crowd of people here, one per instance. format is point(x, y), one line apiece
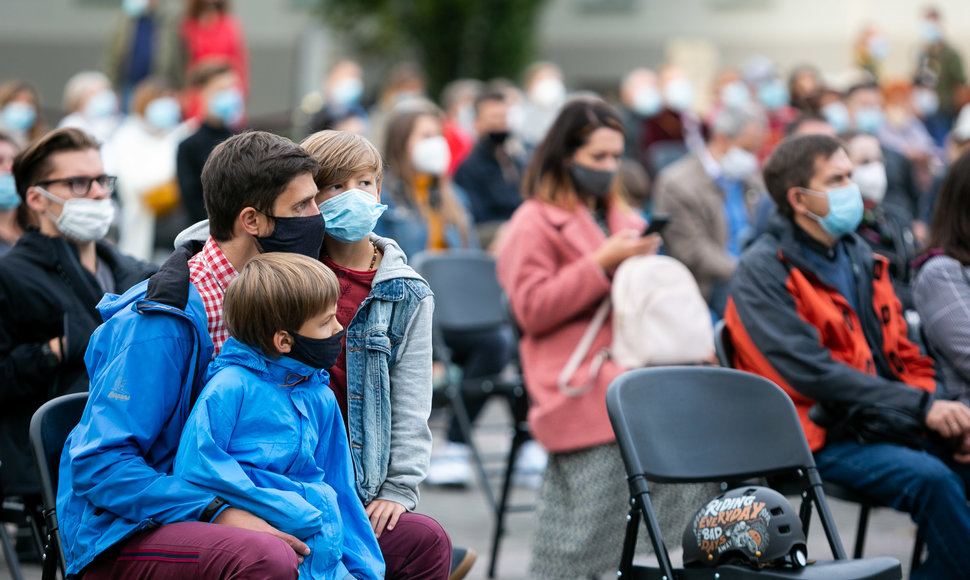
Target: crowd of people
point(271, 367)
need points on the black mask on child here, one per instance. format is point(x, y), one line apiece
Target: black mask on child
point(319, 353)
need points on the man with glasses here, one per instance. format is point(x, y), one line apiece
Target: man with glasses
point(50, 283)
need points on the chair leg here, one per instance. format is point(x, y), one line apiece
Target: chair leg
point(629, 541)
point(520, 410)
point(10, 553)
point(860, 533)
point(918, 545)
point(457, 403)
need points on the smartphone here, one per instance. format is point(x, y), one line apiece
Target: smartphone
point(657, 224)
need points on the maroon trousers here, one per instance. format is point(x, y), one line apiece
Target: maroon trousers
point(416, 549)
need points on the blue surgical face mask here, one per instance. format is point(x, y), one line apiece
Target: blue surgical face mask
point(9, 198)
point(931, 32)
point(227, 106)
point(17, 116)
point(352, 215)
point(773, 95)
point(735, 95)
point(869, 119)
point(845, 210)
point(647, 101)
point(163, 113)
point(101, 105)
point(837, 116)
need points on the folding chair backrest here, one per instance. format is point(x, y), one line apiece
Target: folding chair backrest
point(722, 345)
point(49, 428)
point(467, 293)
point(683, 424)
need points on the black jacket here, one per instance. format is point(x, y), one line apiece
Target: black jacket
point(45, 293)
point(189, 161)
point(493, 191)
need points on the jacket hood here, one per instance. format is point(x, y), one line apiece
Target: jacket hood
point(788, 238)
point(394, 264)
point(282, 371)
point(197, 232)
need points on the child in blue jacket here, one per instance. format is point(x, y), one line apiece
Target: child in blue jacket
point(266, 434)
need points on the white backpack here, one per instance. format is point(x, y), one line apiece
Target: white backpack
point(659, 318)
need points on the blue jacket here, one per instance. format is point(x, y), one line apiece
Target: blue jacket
point(146, 364)
point(389, 382)
point(267, 436)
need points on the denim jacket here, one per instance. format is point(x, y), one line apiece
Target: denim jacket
point(389, 367)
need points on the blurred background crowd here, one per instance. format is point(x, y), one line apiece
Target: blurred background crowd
point(457, 94)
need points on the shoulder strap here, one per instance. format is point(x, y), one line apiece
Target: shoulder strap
point(576, 359)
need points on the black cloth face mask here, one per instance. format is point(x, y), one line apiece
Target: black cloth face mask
point(319, 353)
point(298, 235)
point(593, 182)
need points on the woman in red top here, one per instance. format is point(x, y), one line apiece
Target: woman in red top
point(210, 32)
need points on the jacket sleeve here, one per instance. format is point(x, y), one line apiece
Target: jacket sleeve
point(410, 378)
point(792, 346)
point(361, 553)
point(128, 410)
point(544, 294)
point(687, 237)
point(203, 460)
point(25, 370)
point(941, 294)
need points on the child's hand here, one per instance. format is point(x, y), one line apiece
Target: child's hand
point(383, 514)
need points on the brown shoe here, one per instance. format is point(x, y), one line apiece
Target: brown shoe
point(462, 560)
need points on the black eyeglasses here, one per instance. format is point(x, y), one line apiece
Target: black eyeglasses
point(81, 186)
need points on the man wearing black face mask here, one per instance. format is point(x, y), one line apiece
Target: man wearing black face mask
point(121, 511)
point(491, 173)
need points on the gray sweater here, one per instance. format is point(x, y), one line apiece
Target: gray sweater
point(941, 293)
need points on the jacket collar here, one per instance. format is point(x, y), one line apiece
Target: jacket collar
point(790, 238)
point(170, 285)
point(282, 372)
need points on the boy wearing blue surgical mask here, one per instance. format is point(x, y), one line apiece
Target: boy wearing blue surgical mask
point(266, 434)
point(222, 104)
point(380, 390)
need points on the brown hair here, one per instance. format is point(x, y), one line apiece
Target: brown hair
point(249, 170)
point(950, 227)
point(277, 291)
point(547, 175)
point(195, 8)
point(793, 164)
point(399, 129)
point(9, 91)
point(202, 74)
point(341, 155)
point(32, 165)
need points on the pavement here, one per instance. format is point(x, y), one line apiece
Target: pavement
point(465, 514)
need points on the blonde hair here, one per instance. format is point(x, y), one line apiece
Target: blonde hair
point(277, 291)
point(342, 155)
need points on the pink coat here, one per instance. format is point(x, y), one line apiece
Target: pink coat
point(546, 266)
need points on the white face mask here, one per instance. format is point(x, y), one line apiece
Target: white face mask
point(679, 94)
point(871, 179)
point(431, 155)
point(548, 93)
point(738, 163)
point(82, 219)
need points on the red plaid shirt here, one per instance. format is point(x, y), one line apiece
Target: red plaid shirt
point(211, 273)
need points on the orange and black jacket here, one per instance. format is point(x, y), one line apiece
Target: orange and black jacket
point(789, 326)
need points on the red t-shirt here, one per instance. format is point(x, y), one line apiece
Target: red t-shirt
point(354, 288)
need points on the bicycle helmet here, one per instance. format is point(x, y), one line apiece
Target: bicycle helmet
point(753, 525)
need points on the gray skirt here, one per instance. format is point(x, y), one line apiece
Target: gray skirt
point(582, 509)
